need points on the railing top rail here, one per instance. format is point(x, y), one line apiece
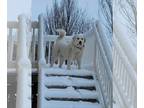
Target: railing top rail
point(46, 37)
point(105, 42)
point(14, 24)
point(34, 24)
point(126, 45)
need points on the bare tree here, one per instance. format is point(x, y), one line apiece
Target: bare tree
point(68, 16)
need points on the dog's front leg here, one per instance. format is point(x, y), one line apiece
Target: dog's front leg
point(53, 59)
point(69, 63)
point(69, 59)
point(79, 63)
point(54, 56)
point(61, 61)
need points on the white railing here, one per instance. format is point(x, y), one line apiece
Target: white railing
point(124, 68)
point(104, 65)
point(12, 41)
point(35, 42)
point(113, 66)
point(100, 55)
point(97, 60)
point(21, 61)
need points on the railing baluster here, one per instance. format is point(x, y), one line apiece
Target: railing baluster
point(126, 77)
point(33, 46)
point(11, 45)
point(45, 49)
point(49, 51)
point(124, 81)
point(126, 85)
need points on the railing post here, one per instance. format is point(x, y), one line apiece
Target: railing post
point(29, 37)
point(41, 58)
point(33, 45)
point(23, 99)
point(10, 45)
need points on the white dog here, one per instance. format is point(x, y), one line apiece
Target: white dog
point(68, 50)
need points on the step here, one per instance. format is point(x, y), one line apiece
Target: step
point(65, 81)
point(69, 104)
point(64, 88)
point(75, 87)
point(73, 99)
point(65, 72)
point(70, 93)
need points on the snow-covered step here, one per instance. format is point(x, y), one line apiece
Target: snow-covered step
point(62, 88)
point(70, 93)
point(65, 81)
point(70, 104)
point(65, 72)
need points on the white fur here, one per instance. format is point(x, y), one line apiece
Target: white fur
point(68, 50)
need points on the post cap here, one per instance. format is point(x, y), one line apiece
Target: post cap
point(21, 16)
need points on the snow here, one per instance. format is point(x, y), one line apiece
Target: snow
point(69, 104)
point(64, 71)
point(68, 81)
point(70, 92)
point(116, 106)
point(63, 77)
point(13, 70)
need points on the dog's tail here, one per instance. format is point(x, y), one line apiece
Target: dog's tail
point(61, 32)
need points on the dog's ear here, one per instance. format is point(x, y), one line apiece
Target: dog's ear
point(74, 38)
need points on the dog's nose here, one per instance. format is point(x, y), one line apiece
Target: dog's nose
point(80, 42)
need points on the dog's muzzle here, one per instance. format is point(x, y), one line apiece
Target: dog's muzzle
point(80, 43)
point(79, 46)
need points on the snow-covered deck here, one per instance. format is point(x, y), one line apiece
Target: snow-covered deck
point(74, 88)
point(61, 88)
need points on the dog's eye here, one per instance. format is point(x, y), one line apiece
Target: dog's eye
point(81, 38)
point(77, 38)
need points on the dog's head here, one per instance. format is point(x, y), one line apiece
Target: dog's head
point(79, 41)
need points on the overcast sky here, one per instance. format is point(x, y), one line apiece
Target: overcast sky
point(35, 7)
